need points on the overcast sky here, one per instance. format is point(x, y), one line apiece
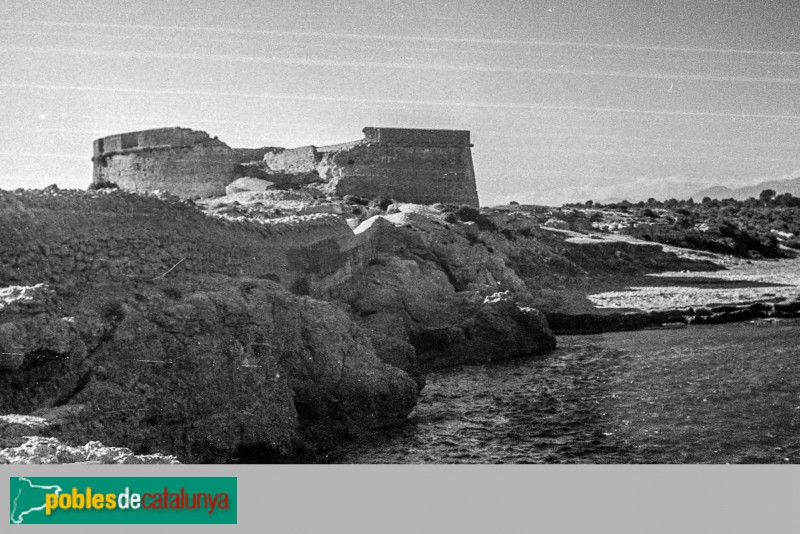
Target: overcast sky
point(565, 100)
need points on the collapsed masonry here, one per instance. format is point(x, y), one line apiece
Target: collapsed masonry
point(407, 165)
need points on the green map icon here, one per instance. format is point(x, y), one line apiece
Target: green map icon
point(123, 500)
point(28, 498)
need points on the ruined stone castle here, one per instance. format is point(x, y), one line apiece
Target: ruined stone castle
point(407, 165)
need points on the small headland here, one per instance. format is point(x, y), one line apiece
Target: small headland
point(273, 324)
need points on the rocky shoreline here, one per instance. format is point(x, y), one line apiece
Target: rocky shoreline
point(213, 359)
point(586, 323)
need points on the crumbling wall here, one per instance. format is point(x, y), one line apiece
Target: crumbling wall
point(180, 161)
point(158, 138)
point(301, 159)
point(332, 261)
point(194, 172)
point(408, 165)
point(75, 238)
point(423, 175)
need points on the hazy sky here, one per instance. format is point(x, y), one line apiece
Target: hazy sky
point(565, 100)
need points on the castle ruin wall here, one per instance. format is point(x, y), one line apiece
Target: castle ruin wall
point(408, 165)
point(183, 162)
point(294, 160)
point(190, 172)
point(418, 174)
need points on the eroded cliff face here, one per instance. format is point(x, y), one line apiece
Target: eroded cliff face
point(210, 363)
point(210, 370)
point(435, 297)
point(142, 322)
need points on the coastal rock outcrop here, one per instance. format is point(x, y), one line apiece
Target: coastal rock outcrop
point(431, 288)
point(209, 369)
point(20, 443)
point(498, 330)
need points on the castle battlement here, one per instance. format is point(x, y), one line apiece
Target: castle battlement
point(418, 138)
point(406, 164)
point(162, 138)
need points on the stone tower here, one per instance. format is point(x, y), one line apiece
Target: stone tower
point(408, 165)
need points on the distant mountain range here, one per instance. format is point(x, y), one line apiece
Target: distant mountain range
point(641, 189)
point(789, 185)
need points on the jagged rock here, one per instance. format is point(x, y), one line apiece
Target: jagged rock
point(43, 336)
point(22, 441)
point(398, 353)
point(456, 249)
point(15, 428)
point(499, 330)
point(204, 369)
point(44, 450)
point(426, 288)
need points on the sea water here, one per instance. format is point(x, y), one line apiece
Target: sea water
point(700, 394)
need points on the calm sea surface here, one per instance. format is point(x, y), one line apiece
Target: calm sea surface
point(702, 394)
